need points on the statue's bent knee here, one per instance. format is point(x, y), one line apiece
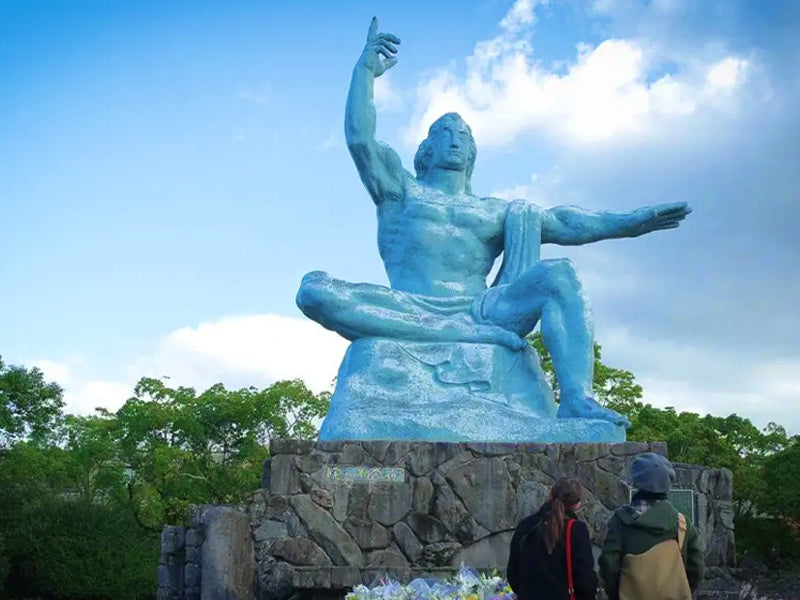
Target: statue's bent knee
point(311, 297)
point(563, 275)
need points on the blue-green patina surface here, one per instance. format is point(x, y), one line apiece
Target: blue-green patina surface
point(439, 355)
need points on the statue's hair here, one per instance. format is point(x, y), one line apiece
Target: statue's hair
point(422, 159)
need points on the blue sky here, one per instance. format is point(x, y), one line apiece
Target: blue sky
point(170, 170)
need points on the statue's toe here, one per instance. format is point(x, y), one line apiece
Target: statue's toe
point(588, 408)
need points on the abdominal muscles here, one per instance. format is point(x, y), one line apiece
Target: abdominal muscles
point(434, 258)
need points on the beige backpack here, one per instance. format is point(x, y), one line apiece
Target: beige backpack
point(658, 574)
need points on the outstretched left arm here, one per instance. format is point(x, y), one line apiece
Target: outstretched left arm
point(573, 226)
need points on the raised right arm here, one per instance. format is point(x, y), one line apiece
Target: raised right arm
point(378, 165)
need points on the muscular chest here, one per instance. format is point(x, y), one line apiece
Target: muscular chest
point(457, 216)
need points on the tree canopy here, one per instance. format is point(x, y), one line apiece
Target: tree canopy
point(29, 406)
point(83, 498)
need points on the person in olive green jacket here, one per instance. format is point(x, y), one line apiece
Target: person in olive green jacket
point(647, 520)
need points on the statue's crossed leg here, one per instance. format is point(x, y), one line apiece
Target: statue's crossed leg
point(550, 291)
point(357, 310)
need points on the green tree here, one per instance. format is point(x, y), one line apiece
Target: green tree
point(772, 528)
point(183, 448)
point(83, 498)
point(781, 475)
point(29, 406)
point(68, 531)
point(94, 467)
point(4, 562)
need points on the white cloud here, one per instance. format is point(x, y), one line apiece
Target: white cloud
point(669, 95)
point(524, 190)
point(237, 351)
point(613, 90)
point(82, 395)
point(708, 381)
point(247, 350)
point(760, 406)
point(781, 380)
point(727, 73)
point(387, 99)
point(519, 15)
point(54, 371)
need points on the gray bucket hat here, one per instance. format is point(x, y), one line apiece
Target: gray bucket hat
point(652, 473)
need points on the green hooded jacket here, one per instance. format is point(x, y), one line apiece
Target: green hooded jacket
point(631, 531)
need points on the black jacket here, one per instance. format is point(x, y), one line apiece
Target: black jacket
point(536, 575)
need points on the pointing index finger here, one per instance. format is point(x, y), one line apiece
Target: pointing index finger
point(373, 29)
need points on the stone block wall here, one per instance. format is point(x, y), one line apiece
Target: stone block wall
point(333, 515)
point(451, 504)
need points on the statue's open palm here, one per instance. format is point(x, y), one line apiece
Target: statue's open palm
point(379, 52)
point(662, 216)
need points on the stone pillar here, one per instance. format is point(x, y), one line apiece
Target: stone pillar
point(192, 567)
point(227, 561)
point(170, 564)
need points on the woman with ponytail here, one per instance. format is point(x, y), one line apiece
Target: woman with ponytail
point(537, 563)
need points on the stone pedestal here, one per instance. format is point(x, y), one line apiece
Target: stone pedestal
point(338, 514)
point(449, 392)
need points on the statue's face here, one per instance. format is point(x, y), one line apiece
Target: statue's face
point(451, 146)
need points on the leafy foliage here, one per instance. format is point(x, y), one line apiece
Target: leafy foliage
point(70, 548)
point(781, 474)
point(4, 564)
point(83, 498)
point(185, 448)
point(29, 406)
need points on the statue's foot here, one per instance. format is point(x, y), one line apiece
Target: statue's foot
point(516, 343)
point(491, 334)
point(588, 408)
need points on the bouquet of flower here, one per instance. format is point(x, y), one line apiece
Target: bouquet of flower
point(466, 585)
